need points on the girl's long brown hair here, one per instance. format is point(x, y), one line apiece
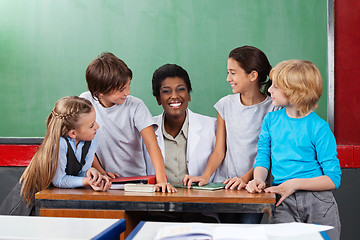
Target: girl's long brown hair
point(41, 170)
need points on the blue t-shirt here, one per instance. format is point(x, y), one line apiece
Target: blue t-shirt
point(298, 148)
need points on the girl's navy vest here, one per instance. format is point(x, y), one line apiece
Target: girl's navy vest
point(73, 166)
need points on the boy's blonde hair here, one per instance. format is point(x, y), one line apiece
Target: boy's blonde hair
point(301, 82)
point(41, 170)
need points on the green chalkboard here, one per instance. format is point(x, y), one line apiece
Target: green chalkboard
point(45, 47)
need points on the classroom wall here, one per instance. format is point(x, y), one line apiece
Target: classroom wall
point(347, 85)
point(46, 46)
point(347, 114)
point(347, 57)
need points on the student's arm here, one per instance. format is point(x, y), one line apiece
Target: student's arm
point(326, 154)
point(262, 162)
point(288, 187)
point(152, 147)
point(248, 176)
point(215, 158)
point(258, 183)
point(96, 164)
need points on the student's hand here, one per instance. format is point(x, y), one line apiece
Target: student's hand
point(165, 187)
point(201, 180)
point(94, 176)
point(103, 186)
point(255, 186)
point(111, 175)
point(103, 183)
point(235, 182)
point(285, 189)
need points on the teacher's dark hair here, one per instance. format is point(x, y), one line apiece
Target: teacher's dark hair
point(165, 71)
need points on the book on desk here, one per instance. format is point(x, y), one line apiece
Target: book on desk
point(209, 186)
point(119, 182)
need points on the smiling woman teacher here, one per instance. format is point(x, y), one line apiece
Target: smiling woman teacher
point(186, 139)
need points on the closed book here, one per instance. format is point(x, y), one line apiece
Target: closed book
point(209, 186)
point(138, 187)
point(149, 179)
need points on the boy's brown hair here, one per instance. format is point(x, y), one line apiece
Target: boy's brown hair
point(106, 74)
point(301, 82)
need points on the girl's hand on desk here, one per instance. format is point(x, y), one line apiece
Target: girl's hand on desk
point(235, 182)
point(94, 176)
point(103, 186)
point(165, 187)
point(188, 180)
point(255, 186)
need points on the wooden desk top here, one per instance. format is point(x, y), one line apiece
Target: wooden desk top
point(183, 195)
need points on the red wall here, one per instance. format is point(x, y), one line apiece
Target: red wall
point(347, 72)
point(16, 155)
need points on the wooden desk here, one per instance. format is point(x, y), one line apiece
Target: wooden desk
point(21, 227)
point(55, 202)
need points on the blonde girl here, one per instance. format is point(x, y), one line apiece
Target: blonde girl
point(63, 159)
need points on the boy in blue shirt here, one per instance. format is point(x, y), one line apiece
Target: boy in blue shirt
point(300, 148)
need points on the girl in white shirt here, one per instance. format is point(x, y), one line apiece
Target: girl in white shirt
point(239, 120)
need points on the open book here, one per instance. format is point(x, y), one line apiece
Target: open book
point(201, 231)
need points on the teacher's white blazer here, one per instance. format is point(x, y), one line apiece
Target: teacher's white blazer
point(200, 143)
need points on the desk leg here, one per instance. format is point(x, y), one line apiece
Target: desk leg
point(131, 219)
